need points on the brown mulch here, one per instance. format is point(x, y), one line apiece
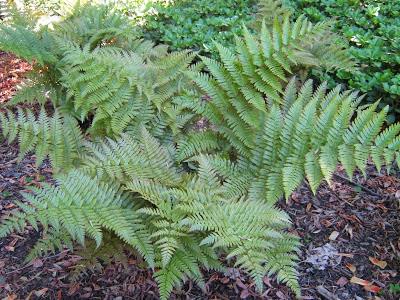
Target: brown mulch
point(362, 226)
point(12, 72)
point(347, 231)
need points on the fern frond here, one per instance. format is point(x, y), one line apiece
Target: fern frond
point(58, 137)
point(83, 207)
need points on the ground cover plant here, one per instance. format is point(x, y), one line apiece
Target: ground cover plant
point(119, 121)
point(193, 25)
point(372, 29)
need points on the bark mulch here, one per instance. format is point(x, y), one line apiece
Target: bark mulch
point(350, 235)
point(12, 72)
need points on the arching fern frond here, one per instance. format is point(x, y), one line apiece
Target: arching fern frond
point(83, 207)
point(57, 137)
point(319, 131)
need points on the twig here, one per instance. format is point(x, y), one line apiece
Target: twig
point(326, 294)
point(365, 189)
point(6, 164)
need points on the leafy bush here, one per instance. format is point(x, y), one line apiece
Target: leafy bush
point(143, 177)
point(194, 24)
point(373, 31)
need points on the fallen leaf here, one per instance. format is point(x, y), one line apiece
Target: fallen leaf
point(244, 294)
point(225, 280)
point(349, 230)
point(2, 264)
point(351, 267)
point(372, 288)
point(349, 255)
point(360, 281)
point(240, 284)
point(37, 263)
point(9, 248)
point(41, 292)
point(73, 289)
point(368, 286)
point(11, 297)
point(342, 281)
point(280, 295)
point(380, 263)
point(397, 195)
point(333, 236)
point(267, 281)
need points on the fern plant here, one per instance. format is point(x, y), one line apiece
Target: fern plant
point(123, 88)
point(322, 49)
point(146, 180)
point(278, 136)
point(177, 221)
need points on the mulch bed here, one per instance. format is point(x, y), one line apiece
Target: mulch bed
point(12, 71)
point(347, 231)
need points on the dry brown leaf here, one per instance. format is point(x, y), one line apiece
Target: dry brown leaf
point(37, 263)
point(11, 297)
point(351, 267)
point(368, 286)
point(359, 281)
point(380, 263)
point(372, 288)
point(9, 248)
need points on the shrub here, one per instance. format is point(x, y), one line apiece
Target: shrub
point(373, 31)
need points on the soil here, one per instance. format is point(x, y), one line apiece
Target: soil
point(349, 233)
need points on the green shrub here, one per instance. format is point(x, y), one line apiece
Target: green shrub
point(194, 24)
point(373, 31)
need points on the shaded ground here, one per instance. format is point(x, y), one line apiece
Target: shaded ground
point(346, 232)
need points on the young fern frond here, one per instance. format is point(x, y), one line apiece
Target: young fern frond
point(322, 48)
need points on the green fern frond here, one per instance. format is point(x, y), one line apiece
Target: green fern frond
point(58, 137)
point(26, 44)
point(83, 207)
